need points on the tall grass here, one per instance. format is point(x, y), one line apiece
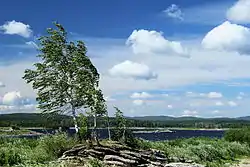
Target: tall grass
point(211, 152)
point(30, 151)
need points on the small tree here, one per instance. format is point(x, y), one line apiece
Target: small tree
point(65, 79)
point(122, 133)
point(83, 124)
point(120, 128)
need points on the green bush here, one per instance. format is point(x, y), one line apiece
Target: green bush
point(238, 135)
point(25, 152)
point(55, 145)
point(207, 151)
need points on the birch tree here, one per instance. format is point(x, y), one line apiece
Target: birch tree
point(65, 78)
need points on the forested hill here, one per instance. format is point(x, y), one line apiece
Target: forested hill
point(52, 121)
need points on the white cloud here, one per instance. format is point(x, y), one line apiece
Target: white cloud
point(16, 28)
point(14, 102)
point(169, 106)
point(219, 103)
point(174, 12)
point(142, 95)
point(2, 84)
point(12, 98)
point(29, 108)
point(129, 69)
point(138, 102)
point(153, 42)
point(232, 104)
point(228, 37)
point(239, 12)
point(189, 113)
point(214, 95)
point(208, 95)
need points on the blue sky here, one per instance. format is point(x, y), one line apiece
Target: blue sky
point(174, 57)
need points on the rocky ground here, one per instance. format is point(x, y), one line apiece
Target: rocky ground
point(243, 163)
point(115, 154)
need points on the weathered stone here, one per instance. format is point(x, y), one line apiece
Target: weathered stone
point(120, 159)
point(134, 154)
point(116, 163)
point(157, 164)
point(106, 150)
point(183, 165)
point(74, 150)
point(123, 156)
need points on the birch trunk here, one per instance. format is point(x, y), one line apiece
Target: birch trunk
point(75, 121)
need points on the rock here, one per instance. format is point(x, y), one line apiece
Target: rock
point(74, 151)
point(117, 154)
point(120, 159)
point(116, 163)
point(183, 165)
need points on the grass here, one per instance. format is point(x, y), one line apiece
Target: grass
point(27, 152)
point(211, 152)
point(15, 132)
point(44, 151)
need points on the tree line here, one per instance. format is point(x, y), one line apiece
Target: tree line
point(56, 120)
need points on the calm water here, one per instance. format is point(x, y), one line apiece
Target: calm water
point(177, 134)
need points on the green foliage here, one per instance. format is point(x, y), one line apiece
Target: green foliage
point(55, 145)
point(95, 163)
point(121, 133)
point(207, 151)
point(65, 79)
point(83, 124)
point(30, 152)
point(238, 135)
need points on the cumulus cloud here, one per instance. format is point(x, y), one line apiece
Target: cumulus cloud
point(16, 28)
point(173, 11)
point(138, 102)
point(208, 95)
point(169, 106)
point(129, 69)
point(12, 98)
point(153, 42)
point(214, 95)
point(219, 103)
point(14, 102)
point(239, 12)
point(232, 104)
point(228, 37)
point(142, 95)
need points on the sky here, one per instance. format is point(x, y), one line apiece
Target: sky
point(172, 58)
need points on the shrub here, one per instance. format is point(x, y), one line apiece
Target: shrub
point(55, 145)
point(212, 152)
point(238, 135)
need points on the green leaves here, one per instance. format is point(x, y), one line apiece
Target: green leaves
point(65, 75)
